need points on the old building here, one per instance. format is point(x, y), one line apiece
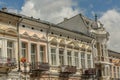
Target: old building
point(115, 67)
point(32, 49)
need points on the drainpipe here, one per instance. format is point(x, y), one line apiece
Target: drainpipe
point(18, 40)
point(48, 48)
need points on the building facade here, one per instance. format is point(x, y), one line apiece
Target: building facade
point(32, 49)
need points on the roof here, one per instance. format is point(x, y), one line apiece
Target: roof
point(114, 54)
point(84, 28)
point(76, 24)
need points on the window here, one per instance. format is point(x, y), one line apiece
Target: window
point(83, 60)
point(76, 59)
point(61, 56)
point(10, 49)
point(114, 70)
point(118, 71)
point(24, 50)
point(69, 58)
point(53, 56)
point(89, 60)
point(33, 53)
point(42, 53)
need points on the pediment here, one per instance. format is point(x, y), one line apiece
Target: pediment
point(25, 34)
point(43, 37)
point(35, 36)
point(54, 40)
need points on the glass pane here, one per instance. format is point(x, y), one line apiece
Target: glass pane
point(53, 56)
point(61, 57)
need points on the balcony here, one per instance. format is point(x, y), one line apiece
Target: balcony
point(7, 62)
point(68, 69)
point(89, 73)
point(39, 66)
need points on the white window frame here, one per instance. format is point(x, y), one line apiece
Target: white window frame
point(83, 64)
point(10, 55)
point(53, 56)
point(76, 58)
point(24, 49)
point(42, 53)
point(89, 65)
point(69, 57)
point(61, 57)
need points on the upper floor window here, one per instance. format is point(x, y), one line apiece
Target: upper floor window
point(42, 53)
point(114, 71)
point(10, 49)
point(61, 56)
point(69, 57)
point(24, 50)
point(83, 60)
point(76, 59)
point(53, 56)
point(33, 53)
point(89, 61)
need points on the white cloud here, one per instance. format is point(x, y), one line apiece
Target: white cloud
point(50, 10)
point(111, 21)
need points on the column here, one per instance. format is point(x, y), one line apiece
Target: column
point(57, 55)
point(49, 53)
point(79, 56)
point(65, 55)
point(29, 51)
point(85, 59)
point(38, 52)
point(73, 57)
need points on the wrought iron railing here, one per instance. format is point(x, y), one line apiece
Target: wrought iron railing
point(41, 66)
point(7, 62)
point(90, 71)
point(68, 69)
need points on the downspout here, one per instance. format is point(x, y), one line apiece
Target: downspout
point(48, 48)
point(18, 40)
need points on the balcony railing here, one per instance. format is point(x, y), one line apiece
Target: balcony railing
point(7, 62)
point(89, 71)
point(68, 69)
point(102, 59)
point(40, 66)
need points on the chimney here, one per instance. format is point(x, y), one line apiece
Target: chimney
point(4, 9)
point(65, 19)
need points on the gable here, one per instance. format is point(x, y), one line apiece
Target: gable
point(76, 24)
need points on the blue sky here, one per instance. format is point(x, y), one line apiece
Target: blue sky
point(12, 3)
point(56, 10)
point(90, 6)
